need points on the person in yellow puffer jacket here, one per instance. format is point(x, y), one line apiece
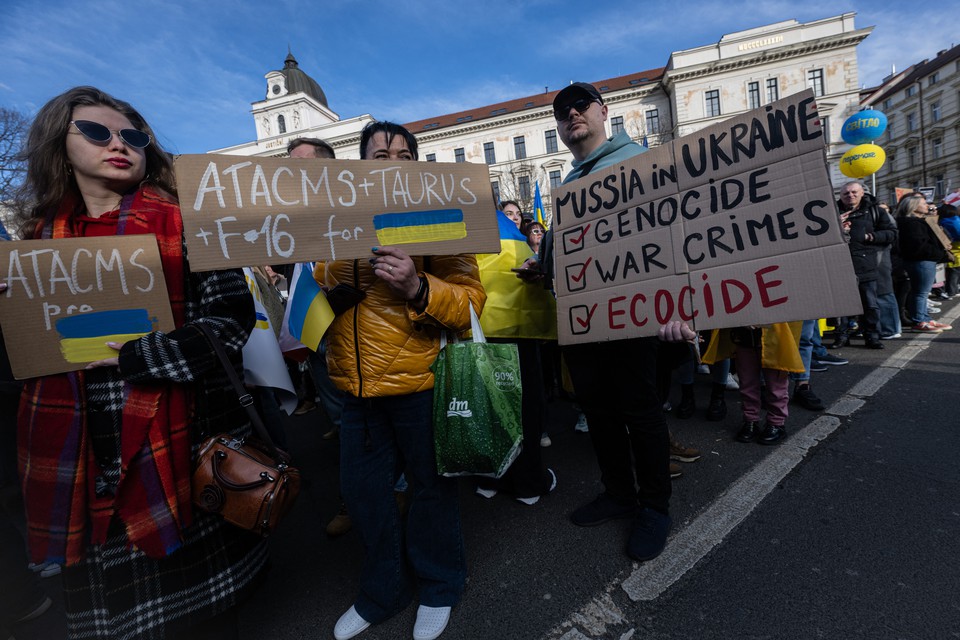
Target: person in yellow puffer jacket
point(379, 352)
point(771, 349)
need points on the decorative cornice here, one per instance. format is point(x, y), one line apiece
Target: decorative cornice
point(765, 57)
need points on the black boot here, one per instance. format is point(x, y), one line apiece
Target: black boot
point(717, 410)
point(842, 340)
point(772, 433)
point(687, 405)
point(748, 432)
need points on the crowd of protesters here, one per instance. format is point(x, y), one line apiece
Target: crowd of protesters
point(103, 454)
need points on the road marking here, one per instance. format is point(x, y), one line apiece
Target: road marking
point(686, 548)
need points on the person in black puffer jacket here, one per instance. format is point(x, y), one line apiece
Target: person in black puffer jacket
point(867, 230)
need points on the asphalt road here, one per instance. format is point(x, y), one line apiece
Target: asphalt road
point(848, 529)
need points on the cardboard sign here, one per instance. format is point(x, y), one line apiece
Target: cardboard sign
point(66, 299)
point(239, 212)
point(730, 226)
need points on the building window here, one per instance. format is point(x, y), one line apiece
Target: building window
point(912, 157)
point(934, 111)
point(496, 192)
point(458, 155)
point(910, 90)
point(488, 154)
point(886, 105)
point(938, 186)
point(753, 95)
point(815, 81)
point(713, 104)
point(933, 79)
point(911, 122)
point(937, 148)
point(616, 125)
point(825, 124)
point(773, 90)
point(889, 128)
point(281, 124)
point(523, 187)
point(550, 137)
point(555, 180)
point(653, 117)
point(520, 147)
point(431, 157)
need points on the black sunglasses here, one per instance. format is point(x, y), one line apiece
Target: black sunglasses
point(96, 132)
point(580, 105)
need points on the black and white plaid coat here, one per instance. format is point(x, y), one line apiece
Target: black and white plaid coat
point(120, 593)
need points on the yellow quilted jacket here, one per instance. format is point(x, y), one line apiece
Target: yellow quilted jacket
point(382, 346)
point(779, 347)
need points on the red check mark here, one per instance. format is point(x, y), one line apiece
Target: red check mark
point(583, 272)
point(579, 238)
point(586, 322)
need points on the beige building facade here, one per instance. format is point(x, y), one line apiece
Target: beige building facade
point(518, 138)
point(922, 140)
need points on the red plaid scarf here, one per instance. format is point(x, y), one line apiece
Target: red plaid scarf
point(57, 463)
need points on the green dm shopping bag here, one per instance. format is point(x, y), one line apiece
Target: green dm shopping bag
point(477, 427)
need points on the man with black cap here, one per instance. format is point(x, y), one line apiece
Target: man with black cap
point(615, 382)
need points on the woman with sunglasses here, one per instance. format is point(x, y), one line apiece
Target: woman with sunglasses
point(115, 441)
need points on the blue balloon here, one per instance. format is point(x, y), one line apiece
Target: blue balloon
point(864, 126)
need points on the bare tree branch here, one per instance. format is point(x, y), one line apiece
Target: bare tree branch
point(13, 132)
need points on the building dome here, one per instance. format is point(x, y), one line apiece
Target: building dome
point(298, 81)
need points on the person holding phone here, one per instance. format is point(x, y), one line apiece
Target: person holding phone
point(379, 352)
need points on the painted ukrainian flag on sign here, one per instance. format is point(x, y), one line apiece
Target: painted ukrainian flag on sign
point(83, 337)
point(308, 312)
point(420, 226)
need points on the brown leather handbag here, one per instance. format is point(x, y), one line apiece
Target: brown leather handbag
point(249, 482)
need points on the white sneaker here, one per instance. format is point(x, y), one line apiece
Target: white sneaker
point(545, 440)
point(350, 625)
point(535, 499)
point(431, 621)
point(45, 569)
point(890, 337)
point(486, 493)
point(703, 369)
point(581, 425)
point(732, 383)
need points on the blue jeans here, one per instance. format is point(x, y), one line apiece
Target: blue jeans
point(922, 273)
point(889, 315)
point(807, 331)
point(330, 397)
point(379, 439)
point(718, 371)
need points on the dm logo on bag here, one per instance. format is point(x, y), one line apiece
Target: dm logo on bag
point(460, 408)
point(505, 380)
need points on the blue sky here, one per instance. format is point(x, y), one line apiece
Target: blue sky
point(193, 68)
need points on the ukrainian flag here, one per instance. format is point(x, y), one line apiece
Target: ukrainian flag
point(83, 337)
point(538, 206)
point(514, 309)
point(308, 312)
point(420, 226)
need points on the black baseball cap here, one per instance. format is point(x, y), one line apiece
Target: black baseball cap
point(576, 90)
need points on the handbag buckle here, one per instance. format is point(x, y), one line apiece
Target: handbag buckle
point(246, 400)
point(235, 443)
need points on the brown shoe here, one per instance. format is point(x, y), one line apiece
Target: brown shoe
point(682, 453)
point(675, 471)
point(340, 524)
point(305, 407)
point(332, 434)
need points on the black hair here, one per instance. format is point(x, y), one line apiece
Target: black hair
point(390, 130)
